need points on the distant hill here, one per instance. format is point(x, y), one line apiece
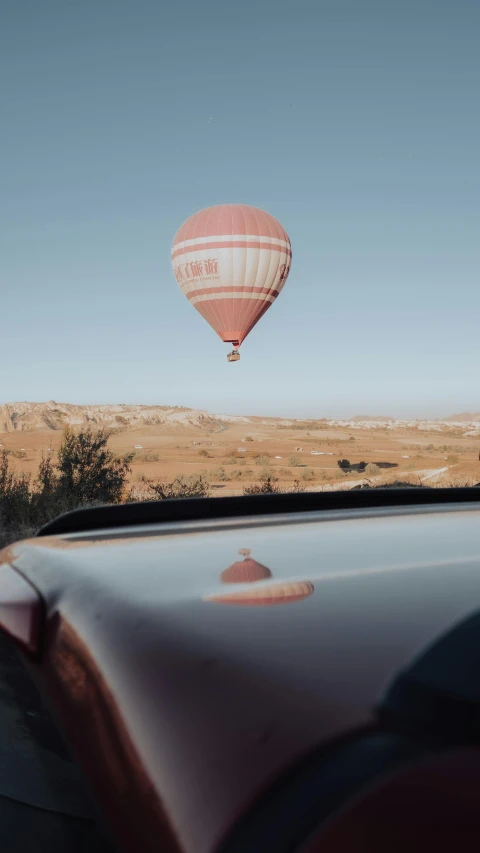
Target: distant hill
point(55, 416)
point(464, 417)
point(172, 419)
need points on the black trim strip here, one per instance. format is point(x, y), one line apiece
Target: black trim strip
point(193, 509)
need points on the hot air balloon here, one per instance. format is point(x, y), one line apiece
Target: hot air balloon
point(231, 262)
point(246, 570)
point(264, 596)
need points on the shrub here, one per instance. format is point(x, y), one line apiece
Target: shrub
point(308, 476)
point(182, 487)
point(17, 454)
point(203, 452)
point(220, 474)
point(267, 485)
point(343, 463)
point(151, 457)
point(248, 438)
point(14, 501)
point(262, 459)
point(372, 469)
point(294, 461)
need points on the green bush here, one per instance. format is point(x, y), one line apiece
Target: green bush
point(87, 471)
point(86, 474)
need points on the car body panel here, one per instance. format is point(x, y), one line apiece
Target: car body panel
point(181, 709)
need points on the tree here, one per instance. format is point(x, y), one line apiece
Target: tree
point(87, 472)
point(343, 463)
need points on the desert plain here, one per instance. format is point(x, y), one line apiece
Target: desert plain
point(232, 451)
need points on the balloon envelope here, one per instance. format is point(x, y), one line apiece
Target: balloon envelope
point(231, 262)
point(245, 571)
point(264, 596)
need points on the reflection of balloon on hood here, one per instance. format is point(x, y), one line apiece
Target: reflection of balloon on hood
point(275, 593)
point(246, 570)
point(231, 262)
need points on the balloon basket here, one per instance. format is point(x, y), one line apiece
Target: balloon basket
point(233, 356)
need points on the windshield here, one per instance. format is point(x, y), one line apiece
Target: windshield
point(239, 250)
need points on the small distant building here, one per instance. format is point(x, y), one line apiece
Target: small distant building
point(241, 449)
point(138, 447)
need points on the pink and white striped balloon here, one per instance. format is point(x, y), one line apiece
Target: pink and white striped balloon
point(231, 262)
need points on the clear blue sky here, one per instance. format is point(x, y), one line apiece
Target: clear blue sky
point(354, 122)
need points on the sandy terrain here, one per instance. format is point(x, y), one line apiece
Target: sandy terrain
point(233, 452)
